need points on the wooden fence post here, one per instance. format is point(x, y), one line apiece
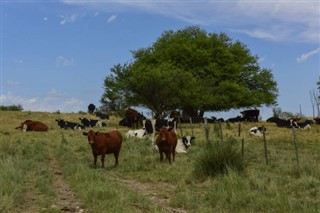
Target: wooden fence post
point(239, 129)
point(242, 147)
point(265, 145)
point(180, 127)
point(206, 129)
point(191, 126)
point(296, 145)
point(220, 128)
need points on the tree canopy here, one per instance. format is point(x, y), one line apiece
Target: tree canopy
point(192, 70)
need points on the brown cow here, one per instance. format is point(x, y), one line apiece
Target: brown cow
point(166, 143)
point(29, 125)
point(132, 118)
point(104, 143)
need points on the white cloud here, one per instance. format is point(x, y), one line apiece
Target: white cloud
point(48, 104)
point(63, 62)
point(272, 20)
point(112, 18)
point(305, 56)
point(68, 18)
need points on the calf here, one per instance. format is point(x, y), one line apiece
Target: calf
point(91, 122)
point(257, 131)
point(69, 125)
point(104, 143)
point(166, 143)
point(29, 125)
point(184, 143)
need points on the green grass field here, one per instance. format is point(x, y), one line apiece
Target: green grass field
point(142, 184)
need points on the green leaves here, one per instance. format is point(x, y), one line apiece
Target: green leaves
point(191, 68)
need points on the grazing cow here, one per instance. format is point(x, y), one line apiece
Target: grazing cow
point(250, 115)
point(102, 115)
point(257, 131)
point(283, 123)
point(136, 133)
point(166, 143)
point(317, 120)
point(91, 122)
point(69, 125)
point(29, 125)
point(104, 143)
point(184, 143)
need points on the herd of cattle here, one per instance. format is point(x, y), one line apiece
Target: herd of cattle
point(166, 141)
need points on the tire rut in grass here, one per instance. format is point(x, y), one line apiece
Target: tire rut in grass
point(66, 200)
point(151, 190)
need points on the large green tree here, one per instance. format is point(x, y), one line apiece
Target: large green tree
point(195, 71)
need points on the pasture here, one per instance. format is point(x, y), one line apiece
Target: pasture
point(53, 171)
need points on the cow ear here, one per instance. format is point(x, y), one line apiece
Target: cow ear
point(170, 129)
point(97, 133)
point(192, 138)
point(85, 133)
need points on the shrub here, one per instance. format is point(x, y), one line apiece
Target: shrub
point(218, 158)
point(11, 108)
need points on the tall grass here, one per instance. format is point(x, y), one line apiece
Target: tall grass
point(218, 159)
point(280, 186)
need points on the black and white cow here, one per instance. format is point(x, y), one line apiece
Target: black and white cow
point(257, 131)
point(305, 125)
point(91, 122)
point(69, 125)
point(159, 123)
point(136, 133)
point(184, 143)
point(283, 123)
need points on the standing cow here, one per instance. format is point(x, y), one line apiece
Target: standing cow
point(166, 143)
point(104, 143)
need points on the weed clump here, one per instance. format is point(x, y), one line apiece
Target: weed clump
point(218, 158)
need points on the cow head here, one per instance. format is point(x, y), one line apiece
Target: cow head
point(186, 140)
point(163, 133)
point(91, 136)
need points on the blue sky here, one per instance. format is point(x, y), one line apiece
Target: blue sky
point(55, 55)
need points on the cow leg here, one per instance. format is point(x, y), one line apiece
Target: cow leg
point(116, 155)
point(173, 155)
point(161, 156)
point(168, 156)
point(95, 161)
point(102, 160)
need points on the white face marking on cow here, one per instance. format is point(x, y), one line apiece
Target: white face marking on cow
point(24, 127)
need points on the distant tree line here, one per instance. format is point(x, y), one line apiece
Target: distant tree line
point(11, 108)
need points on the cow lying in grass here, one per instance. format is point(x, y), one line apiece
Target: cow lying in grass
point(184, 143)
point(104, 143)
point(257, 131)
point(29, 125)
